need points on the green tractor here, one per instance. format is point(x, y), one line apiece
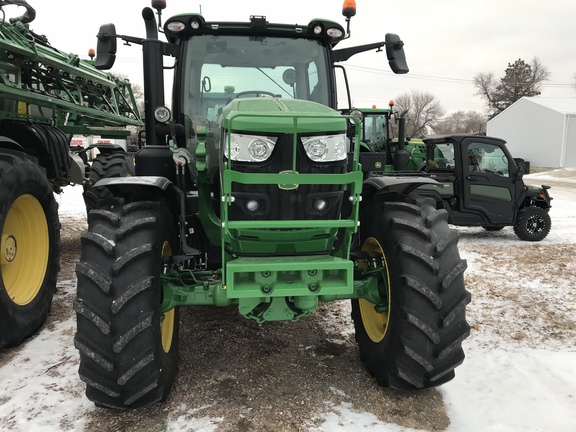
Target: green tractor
point(480, 183)
point(47, 96)
point(250, 192)
point(379, 147)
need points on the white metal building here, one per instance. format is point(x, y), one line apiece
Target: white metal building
point(539, 130)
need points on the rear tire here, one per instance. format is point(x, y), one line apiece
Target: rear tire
point(417, 342)
point(29, 247)
point(128, 349)
point(532, 224)
point(106, 165)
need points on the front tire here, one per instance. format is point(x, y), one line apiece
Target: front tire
point(29, 247)
point(414, 340)
point(532, 224)
point(128, 348)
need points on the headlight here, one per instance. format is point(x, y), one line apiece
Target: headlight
point(326, 148)
point(162, 114)
point(334, 33)
point(357, 114)
point(250, 148)
point(176, 26)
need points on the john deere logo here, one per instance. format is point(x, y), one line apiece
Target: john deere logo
point(288, 186)
point(9, 249)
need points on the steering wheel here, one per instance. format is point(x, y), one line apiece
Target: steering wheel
point(256, 93)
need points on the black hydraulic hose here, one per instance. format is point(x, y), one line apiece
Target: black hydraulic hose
point(27, 17)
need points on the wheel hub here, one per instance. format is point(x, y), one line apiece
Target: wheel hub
point(535, 224)
point(376, 319)
point(24, 249)
point(9, 249)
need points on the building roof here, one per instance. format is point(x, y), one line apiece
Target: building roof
point(562, 105)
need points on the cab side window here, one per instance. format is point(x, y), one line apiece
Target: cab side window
point(442, 157)
point(488, 158)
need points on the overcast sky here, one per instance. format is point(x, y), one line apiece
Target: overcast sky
point(447, 42)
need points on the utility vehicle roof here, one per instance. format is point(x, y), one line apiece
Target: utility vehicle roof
point(458, 138)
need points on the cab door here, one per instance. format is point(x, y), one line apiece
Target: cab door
point(488, 188)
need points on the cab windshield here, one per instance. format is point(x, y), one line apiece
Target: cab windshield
point(221, 68)
point(376, 131)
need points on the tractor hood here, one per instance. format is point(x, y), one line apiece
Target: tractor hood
point(275, 115)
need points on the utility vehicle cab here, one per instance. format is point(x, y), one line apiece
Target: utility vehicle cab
point(483, 185)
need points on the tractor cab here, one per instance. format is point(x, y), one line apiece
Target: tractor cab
point(375, 124)
point(222, 63)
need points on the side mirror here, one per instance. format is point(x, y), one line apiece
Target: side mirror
point(395, 54)
point(106, 48)
point(522, 166)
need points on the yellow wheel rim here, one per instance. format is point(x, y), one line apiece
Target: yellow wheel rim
point(167, 322)
point(375, 323)
point(24, 249)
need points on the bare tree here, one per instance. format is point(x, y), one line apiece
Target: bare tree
point(485, 84)
point(138, 92)
point(462, 122)
point(520, 79)
point(424, 112)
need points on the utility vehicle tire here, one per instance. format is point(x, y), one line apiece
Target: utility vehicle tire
point(29, 246)
point(417, 342)
point(128, 348)
point(532, 224)
point(106, 165)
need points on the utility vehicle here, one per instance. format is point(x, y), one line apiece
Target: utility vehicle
point(480, 182)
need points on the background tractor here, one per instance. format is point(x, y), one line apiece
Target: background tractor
point(46, 96)
point(250, 192)
point(480, 182)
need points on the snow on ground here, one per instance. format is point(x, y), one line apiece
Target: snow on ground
point(519, 373)
point(510, 381)
point(527, 383)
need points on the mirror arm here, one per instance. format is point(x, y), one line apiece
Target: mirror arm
point(345, 53)
point(130, 39)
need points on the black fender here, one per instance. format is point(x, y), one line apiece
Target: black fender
point(74, 175)
point(121, 186)
point(48, 144)
point(402, 185)
point(538, 197)
point(10, 144)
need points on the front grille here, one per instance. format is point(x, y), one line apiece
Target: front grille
point(274, 202)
